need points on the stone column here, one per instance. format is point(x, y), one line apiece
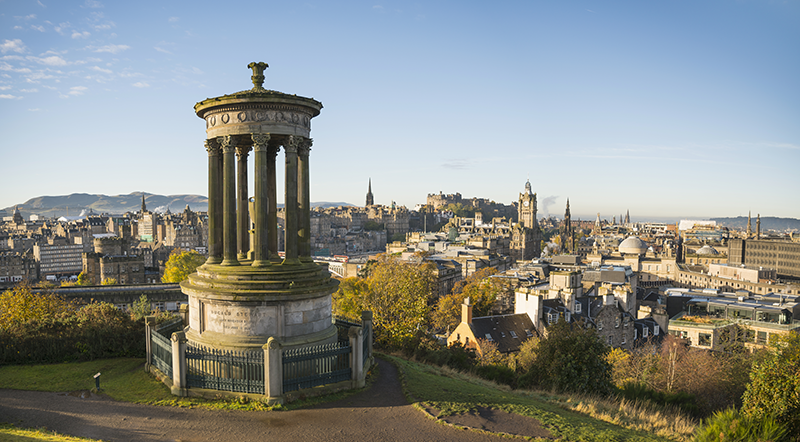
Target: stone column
point(273, 371)
point(179, 364)
point(366, 324)
point(304, 201)
point(272, 203)
point(214, 200)
point(229, 201)
point(242, 213)
point(261, 179)
point(291, 149)
point(356, 335)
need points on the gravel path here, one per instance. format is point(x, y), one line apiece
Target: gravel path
point(378, 413)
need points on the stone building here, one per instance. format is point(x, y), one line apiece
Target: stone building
point(58, 259)
point(111, 260)
point(17, 266)
point(784, 256)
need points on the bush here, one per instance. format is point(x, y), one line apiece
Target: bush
point(500, 374)
point(686, 402)
point(731, 425)
point(456, 356)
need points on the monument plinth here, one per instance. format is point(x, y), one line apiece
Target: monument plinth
point(246, 293)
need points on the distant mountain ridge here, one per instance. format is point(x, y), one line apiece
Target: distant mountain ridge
point(74, 204)
point(767, 223)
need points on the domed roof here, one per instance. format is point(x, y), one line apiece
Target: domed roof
point(707, 250)
point(633, 245)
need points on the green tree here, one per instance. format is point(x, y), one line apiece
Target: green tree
point(571, 358)
point(181, 264)
point(140, 308)
point(83, 279)
point(350, 298)
point(109, 281)
point(774, 388)
point(373, 226)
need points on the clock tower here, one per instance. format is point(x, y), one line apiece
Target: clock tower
point(526, 236)
point(526, 210)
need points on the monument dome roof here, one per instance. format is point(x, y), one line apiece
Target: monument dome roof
point(633, 245)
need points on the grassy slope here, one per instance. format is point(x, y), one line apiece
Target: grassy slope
point(453, 393)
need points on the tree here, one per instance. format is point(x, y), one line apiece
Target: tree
point(109, 281)
point(140, 308)
point(396, 292)
point(482, 292)
point(181, 264)
point(571, 358)
point(20, 304)
point(774, 388)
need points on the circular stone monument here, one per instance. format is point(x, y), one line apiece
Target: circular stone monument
point(246, 292)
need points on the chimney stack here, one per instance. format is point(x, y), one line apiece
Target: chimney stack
point(466, 311)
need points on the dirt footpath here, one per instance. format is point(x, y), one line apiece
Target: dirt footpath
point(378, 413)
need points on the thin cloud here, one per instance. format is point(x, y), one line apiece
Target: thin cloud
point(15, 45)
point(53, 60)
point(62, 27)
point(10, 97)
point(77, 35)
point(173, 19)
point(92, 4)
point(456, 165)
point(99, 69)
point(77, 90)
point(5, 88)
point(28, 91)
point(36, 109)
point(113, 49)
point(140, 84)
point(162, 50)
point(38, 28)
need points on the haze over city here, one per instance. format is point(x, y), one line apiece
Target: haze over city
point(661, 108)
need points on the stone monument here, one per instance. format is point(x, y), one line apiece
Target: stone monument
point(246, 292)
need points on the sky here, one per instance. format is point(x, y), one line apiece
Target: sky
point(680, 108)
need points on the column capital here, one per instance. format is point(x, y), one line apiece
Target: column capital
point(293, 144)
point(212, 147)
point(305, 146)
point(260, 142)
point(242, 151)
point(227, 142)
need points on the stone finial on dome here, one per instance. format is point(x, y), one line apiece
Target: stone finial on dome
point(258, 75)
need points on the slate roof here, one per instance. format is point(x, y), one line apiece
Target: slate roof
point(507, 331)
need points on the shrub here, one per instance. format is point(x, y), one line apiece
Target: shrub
point(498, 373)
point(732, 425)
point(639, 392)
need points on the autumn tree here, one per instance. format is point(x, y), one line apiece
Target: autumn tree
point(398, 294)
point(181, 264)
point(482, 291)
point(21, 304)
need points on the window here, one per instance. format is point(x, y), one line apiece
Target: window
point(704, 340)
point(616, 322)
point(489, 337)
point(611, 341)
point(528, 333)
point(645, 331)
point(599, 325)
point(623, 339)
point(513, 334)
point(656, 330)
point(577, 307)
point(626, 321)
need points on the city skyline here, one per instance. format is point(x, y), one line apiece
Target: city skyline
point(665, 109)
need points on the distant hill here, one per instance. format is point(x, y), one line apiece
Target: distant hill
point(74, 204)
point(767, 223)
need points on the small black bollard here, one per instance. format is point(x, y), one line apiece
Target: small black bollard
point(97, 381)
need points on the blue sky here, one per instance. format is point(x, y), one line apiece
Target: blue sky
point(680, 108)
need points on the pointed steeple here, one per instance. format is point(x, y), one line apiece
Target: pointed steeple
point(627, 217)
point(749, 228)
point(758, 226)
point(144, 206)
point(370, 197)
point(528, 187)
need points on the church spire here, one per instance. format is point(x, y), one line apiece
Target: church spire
point(370, 197)
point(144, 206)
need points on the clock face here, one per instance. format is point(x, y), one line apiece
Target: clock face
point(525, 203)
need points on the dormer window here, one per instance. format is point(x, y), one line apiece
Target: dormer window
point(656, 330)
point(513, 334)
point(645, 331)
point(578, 307)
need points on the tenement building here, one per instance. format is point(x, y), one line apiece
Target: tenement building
point(784, 256)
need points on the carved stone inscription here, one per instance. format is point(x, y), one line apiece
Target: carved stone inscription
point(242, 320)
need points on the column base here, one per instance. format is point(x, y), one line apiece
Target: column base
point(261, 263)
point(230, 262)
point(291, 262)
point(213, 260)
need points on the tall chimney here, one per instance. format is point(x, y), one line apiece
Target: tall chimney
point(466, 311)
